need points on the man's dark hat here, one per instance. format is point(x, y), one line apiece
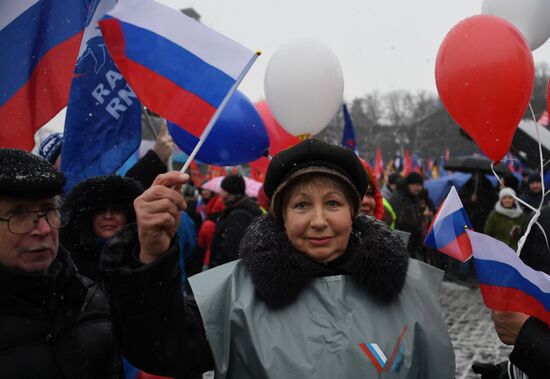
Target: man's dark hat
point(234, 184)
point(314, 156)
point(533, 177)
point(414, 178)
point(24, 175)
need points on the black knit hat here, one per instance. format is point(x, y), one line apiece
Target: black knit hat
point(24, 175)
point(233, 184)
point(315, 157)
point(533, 177)
point(414, 178)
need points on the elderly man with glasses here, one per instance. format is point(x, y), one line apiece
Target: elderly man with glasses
point(54, 323)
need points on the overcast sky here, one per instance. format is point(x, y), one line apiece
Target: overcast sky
point(381, 44)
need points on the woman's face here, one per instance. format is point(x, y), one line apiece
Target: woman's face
point(507, 202)
point(107, 223)
point(317, 220)
point(368, 203)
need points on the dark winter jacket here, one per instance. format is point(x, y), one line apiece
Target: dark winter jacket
point(161, 332)
point(531, 352)
point(55, 326)
point(230, 229)
point(82, 202)
point(147, 169)
point(479, 210)
point(533, 199)
point(408, 217)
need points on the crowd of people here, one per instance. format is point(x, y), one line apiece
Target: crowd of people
point(325, 274)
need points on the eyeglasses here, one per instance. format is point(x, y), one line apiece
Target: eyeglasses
point(25, 221)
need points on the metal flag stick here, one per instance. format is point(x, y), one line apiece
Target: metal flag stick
point(218, 112)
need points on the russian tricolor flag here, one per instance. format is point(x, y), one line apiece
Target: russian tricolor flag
point(39, 41)
point(448, 230)
point(506, 283)
point(178, 67)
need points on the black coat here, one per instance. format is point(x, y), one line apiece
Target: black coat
point(230, 229)
point(162, 332)
point(146, 169)
point(408, 217)
point(55, 326)
point(531, 352)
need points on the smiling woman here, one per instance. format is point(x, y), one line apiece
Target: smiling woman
point(319, 292)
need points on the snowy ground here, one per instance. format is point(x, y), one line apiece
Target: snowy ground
point(471, 329)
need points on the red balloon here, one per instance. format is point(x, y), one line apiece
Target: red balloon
point(485, 76)
point(279, 139)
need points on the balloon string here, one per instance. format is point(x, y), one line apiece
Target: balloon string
point(535, 217)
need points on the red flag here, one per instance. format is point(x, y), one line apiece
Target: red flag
point(378, 165)
point(407, 164)
point(195, 173)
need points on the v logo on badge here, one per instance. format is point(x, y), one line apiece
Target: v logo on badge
point(378, 358)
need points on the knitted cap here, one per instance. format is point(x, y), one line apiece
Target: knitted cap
point(50, 148)
point(506, 192)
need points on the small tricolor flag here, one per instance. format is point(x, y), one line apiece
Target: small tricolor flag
point(178, 67)
point(506, 283)
point(448, 230)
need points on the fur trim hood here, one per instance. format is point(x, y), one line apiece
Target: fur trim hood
point(378, 260)
point(87, 198)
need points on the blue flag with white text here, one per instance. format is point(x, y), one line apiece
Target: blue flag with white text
point(348, 136)
point(103, 124)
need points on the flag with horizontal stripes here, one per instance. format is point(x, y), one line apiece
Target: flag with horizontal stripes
point(448, 230)
point(506, 283)
point(178, 67)
point(39, 41)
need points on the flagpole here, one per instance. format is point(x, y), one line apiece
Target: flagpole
point(218, 112)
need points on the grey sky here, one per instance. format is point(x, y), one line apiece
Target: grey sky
point(381, 44)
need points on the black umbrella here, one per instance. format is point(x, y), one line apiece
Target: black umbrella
point(473, 164)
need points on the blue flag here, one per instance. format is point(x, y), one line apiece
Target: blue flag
point(348, 136)
point(103, 124)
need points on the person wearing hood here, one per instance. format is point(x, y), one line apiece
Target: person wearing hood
point(405, 204)
point(238, 213)
point(54, 323)
point(99, 207)
point(320, 291)
point(372, 204)
point(505, 221)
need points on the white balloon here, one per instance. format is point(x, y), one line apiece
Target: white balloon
point(529, 16)
point(304, 86)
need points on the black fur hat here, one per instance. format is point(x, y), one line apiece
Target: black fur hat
point(100, 193)
point(82, 202)
point(25, 175)
point(314, 156)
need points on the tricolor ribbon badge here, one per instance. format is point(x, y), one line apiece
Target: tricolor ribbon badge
point(378, 358)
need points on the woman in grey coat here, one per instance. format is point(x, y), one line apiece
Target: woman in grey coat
point(319, 292)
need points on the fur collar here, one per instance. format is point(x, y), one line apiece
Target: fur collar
point(378, 260)
point(513, 212)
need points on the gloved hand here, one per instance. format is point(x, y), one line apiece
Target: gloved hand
point(490, 370)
